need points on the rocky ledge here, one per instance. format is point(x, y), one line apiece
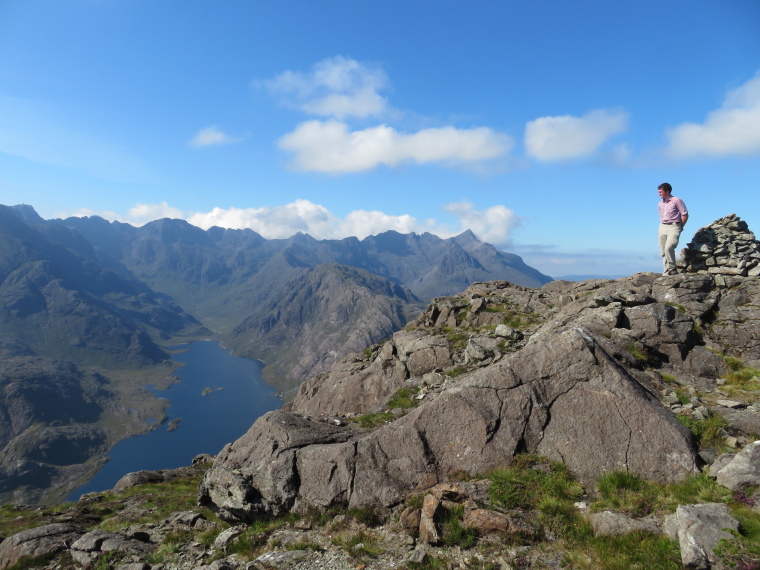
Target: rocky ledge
point(577, 372)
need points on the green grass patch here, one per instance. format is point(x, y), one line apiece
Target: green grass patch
point(366, 515)
point(680, 308)
point(457, 340)
point(634, 551)
point(699, 334)
point(248, 546)
point(359, 545)
point(207, 537)
point(529, 481)
point(158, 501)
point(538, 484)
point(626, 492)
point(639, 355)
point(695, 489)
point(415, 501)
point(457, 371)
point(109, 560)
point(744, 550)
point(32, 562)
point(740, 376)
point(14, 519)
point(709, 432)
point(369, 421)
point(668, 379)
point(403, 398)
point(171, 544)
point(519, 321)
point(319, 517)
point(252, 542)
point(560, 518)
point(454, 532)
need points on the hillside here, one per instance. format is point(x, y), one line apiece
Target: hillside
point(88, 309)
point(601, 424)
point(236, 283)
point(73, 336)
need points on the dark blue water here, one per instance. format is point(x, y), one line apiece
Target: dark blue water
point(208, 422)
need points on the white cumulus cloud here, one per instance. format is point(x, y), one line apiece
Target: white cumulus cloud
point(211, 136)
point(272, 222)
point(734, 129)
point(330, 146)
point(566, 137)
point(278, 222)
point(144, 213)
point(335, 87)
point(493, 225)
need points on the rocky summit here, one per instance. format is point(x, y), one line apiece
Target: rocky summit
point(583, 373)
point(89, 309)
point(473, 414)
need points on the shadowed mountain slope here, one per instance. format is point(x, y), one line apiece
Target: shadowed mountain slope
point(236, 282)
point(87, 308)
point(67, 326)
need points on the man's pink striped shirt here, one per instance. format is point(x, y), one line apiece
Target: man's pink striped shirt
point(672, 210)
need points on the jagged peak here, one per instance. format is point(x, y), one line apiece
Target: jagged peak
point(466, 236)
point(27, 213)
point(302, 237)
point(176, 230)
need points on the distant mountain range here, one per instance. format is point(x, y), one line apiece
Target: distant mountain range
point(86, 303)
point(298, 304)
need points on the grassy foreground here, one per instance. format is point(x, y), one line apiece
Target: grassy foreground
point(543, 491)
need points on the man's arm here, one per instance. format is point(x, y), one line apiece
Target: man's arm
point(681, 207)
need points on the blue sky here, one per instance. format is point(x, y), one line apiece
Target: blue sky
point(543, 126)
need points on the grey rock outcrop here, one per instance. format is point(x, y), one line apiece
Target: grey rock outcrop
point(571, 371)
point(724, 247)
point(95, 543)
point(739, 471)
point(291, 456)
point(530, 401)
point(610, 523)
point(40, 541)
point(699, 529)
point(142, 477)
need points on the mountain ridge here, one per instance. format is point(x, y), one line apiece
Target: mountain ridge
point(90, 306)
point(549, 417)
point(247, 271)
point(73, 336)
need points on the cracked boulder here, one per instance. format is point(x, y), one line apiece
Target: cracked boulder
point(41, 541)
point(562, 396)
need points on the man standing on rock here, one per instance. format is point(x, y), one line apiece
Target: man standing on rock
point(673, 216)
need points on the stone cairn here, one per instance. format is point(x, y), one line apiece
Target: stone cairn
point(725, 247)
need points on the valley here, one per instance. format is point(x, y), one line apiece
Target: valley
point(88, 309)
